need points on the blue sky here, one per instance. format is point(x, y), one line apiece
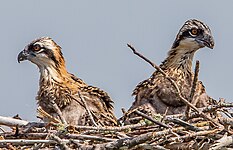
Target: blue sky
point(93, 36)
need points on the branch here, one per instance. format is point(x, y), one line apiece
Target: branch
point(43, 114)
point(62, 144)
point(174, 84)
point(224, 141)
point(194, 134)
point(87, 109)
point(58, 111)
point(8, 121)
point(183, 124)
point(151, 119)
point(193, 89)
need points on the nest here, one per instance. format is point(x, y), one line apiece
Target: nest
point(151, 132)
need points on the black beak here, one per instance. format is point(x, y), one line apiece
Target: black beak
point(207, 41)
point(23, 55)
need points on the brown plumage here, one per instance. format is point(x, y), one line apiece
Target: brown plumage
point(64, 88)
point(156, 94)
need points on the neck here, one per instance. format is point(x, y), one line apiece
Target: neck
point(50, 73)
point(179, 59)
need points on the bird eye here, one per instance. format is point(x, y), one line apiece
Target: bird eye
point(194, 31)
point(36, 47)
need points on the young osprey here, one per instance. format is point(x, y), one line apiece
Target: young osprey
point(65, 89)
point(157, 93)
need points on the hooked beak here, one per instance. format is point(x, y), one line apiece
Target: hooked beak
point(23, 55)
point(207, 41)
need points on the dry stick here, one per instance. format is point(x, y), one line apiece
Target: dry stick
point(87, 109)
point(30, 142)
point(43, 114)
point(193, 89)
point(224, 141)
point(133, 141)
point(151, 119)
point(174, 84)
point(128, 143)
point(8, 121)
point(58, 111)
point(68, 136)
point(210, 108)
point(194, 134)
point(62, 144)
point(107, 128)
point(183, 124)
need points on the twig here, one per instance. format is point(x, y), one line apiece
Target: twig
point(226, 121)
point(89, 137)
point(183, 124)
point(8, 121)
point(128, 143)
point(62, 144)
point(2, 129)
point(195, 134)
point(87, 109)
point(224, 141)
point(31, 142)
point(193, 89)
point(174, 84)
point(151, 119)
point(58, 111)
point(43, 114)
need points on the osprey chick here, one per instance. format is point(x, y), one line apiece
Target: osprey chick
point(157, 93)
point(57, 85)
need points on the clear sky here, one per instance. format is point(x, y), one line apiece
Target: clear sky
point(93, 36)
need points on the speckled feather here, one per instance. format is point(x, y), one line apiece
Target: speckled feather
point(62, 87)
point(157, 93)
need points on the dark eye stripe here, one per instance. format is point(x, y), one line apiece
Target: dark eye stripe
point(31, 48)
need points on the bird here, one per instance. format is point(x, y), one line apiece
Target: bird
point(71, 94)
point(156, 94)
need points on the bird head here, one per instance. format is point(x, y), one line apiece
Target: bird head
point(193, 35)
point(43, 52)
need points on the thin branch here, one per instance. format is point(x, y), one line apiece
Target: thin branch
point(87, 109)
point(58, 111)
point(194, 134)
point(8, 121)
point(151, 119)
point(133, 141)
point(183, 124)
point(193, 89)
point(62, 144)
point(224, 141)
point(43, 114)
point(174, 84)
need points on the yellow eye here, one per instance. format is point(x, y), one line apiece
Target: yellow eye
point(36, 47)
point(194, 31)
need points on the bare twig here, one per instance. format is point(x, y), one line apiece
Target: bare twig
point(87, 109)
point(58, 111)
point(193, 89)
point(31, 142)
point(43, 114)
point(151, 119)
point(224, 141)
point(174, 84)
point(9, 121)
point(195, 134)
point(62, 144)
point(183, 124)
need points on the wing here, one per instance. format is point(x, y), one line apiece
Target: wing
point(158, 93)
point(96, 101)
point(100, 105)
